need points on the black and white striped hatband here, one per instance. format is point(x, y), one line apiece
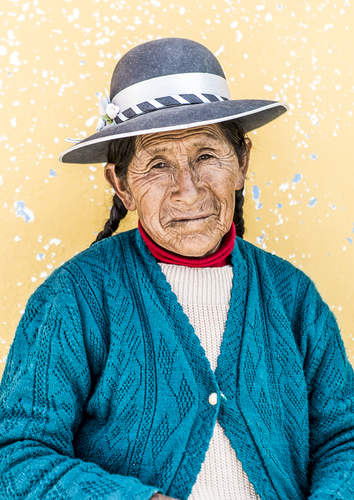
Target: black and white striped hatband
point(167, 84)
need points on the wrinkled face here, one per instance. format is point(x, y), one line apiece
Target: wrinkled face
point(182, 184)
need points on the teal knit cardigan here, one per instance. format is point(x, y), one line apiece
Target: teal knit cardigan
point(105, 392)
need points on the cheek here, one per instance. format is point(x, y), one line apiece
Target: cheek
point(149, 196)
point(222, 182)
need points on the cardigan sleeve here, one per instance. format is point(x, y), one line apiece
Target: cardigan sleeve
point(330, 382)
point(46, 384)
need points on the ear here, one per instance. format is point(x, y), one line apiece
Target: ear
point(120, 187)
point(243, 164)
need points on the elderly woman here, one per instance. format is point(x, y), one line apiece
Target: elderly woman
point(176, 360)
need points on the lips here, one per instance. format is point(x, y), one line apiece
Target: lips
point(191, 218)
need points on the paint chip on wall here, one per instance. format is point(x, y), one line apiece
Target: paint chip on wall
point(23, 211)
point(312, 203)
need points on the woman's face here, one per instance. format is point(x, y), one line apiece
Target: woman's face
point(182, 184)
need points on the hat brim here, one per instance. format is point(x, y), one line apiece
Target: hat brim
point(251, 114)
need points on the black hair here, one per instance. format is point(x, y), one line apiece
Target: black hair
point(121, 152)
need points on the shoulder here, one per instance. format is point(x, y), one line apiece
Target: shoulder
point(105, 254)
point(283, 288)
point(270, 263)
point(279, 281)
point(91, 270)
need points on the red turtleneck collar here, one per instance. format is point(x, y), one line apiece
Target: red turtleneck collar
point(216, 259)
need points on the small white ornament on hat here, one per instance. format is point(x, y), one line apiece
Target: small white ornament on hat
point(108, 112)
point(112, 110)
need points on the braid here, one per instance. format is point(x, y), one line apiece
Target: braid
point(235, 133)
point(238, 214)
point(118, 212)
point(121, 153)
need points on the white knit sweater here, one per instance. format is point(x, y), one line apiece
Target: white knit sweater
point(204, 294)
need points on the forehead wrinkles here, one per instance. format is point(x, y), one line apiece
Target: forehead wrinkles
point(163, 142)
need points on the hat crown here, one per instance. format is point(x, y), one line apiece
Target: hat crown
point(168, 56)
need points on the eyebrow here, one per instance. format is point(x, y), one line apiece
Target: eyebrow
point(155, 151)
point(161, 150)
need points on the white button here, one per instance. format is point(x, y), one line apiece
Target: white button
point(213, 398)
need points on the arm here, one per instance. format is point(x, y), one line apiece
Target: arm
point(330, 381)
point(46, 384)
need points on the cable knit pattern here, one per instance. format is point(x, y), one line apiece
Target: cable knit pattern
point(105, 391)
point(205, 294)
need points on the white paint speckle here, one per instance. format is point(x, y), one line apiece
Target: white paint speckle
point(182, 10)
point(43, 274)
point(74, 15)
point(11, 35)
point(260, 239)
point(3, 50)
point(17, 238)
point(234, 24)
point(312, 203)
point(284, 186)
point(54, 241)
point(260, 7)
point(219, 51)
point(238, 36)
point(14, 60)
point(268, 88)
point(269, 17)
point(40, 256)
point(90, 121)
point(13, 121)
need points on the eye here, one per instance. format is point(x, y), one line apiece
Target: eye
point(160, 165)
point(205, 156)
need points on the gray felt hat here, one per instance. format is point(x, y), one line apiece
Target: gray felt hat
point(167, 84)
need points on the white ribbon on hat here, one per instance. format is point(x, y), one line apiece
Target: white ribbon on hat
point(170, 85)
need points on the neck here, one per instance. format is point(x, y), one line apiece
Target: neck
point(219, 258)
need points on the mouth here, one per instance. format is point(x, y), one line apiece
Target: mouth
point(190, 218)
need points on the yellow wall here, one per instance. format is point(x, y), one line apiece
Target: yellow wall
point(56, 55)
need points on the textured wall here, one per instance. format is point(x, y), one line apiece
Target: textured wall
point(56, 56)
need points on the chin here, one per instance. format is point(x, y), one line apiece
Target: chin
point(195, 246)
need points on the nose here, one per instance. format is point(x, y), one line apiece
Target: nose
point(186, 187)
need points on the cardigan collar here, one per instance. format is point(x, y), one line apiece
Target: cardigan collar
point(241, 370)
point(219, 258)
